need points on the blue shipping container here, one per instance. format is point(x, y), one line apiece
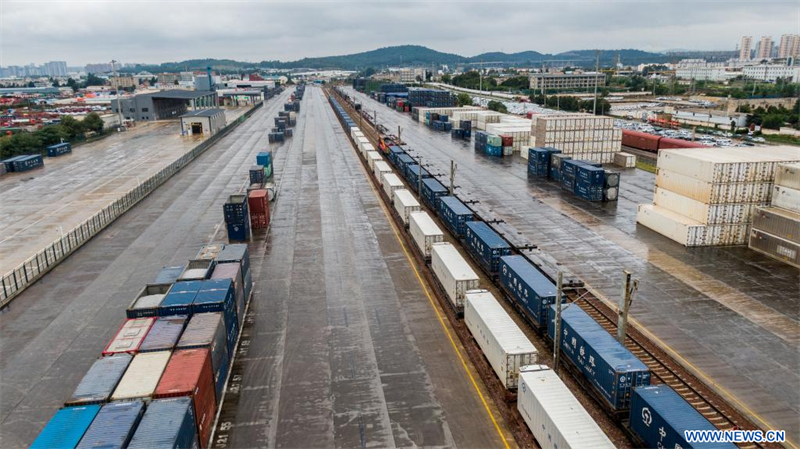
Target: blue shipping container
point(589, 175)
point(59, 149)
point(207, 330)
point(168, 275)
point(492, 150)
point(609, 366)
point(659, 417)
point(236, 209)
point(432, 190)
point(167, 424)
point(413, 172)
point(485, 245)
point(100, 381)
point(454, 214)
point(29, 162)
point(113, 426)
point(180, 298)
point(589, 193)
point(567, 181)
point(570, 168)
point(264, 158)
point(402, 161)
point(235, 253)
point(164, 334)
point(257, 174)
point(66, 428)
point(528, 288)
point(238, 232)
point(9, 163)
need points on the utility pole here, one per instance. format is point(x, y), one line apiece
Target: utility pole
point(557, 333)
point(119, 102)
point(375, 117)
point(629, 287)
point(453, 167)
point(419, 178)
point(399, 130)
point(597, 70)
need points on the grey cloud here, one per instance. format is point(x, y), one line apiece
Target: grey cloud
point(150, 31)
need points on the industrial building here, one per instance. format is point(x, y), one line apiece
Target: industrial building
point(165, 104)
point(770, 73)
point(203, 122)
point(567, 80)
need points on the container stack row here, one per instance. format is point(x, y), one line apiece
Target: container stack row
point(432, 98)
point(580, 136)
point(161, 377)
point(776, 228)
point(708, 196)
point(584, 179)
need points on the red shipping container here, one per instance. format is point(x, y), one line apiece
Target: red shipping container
point(258, 203)
point(507, 140)
point(189, 373)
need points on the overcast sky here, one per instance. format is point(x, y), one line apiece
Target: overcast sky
point(88, 31)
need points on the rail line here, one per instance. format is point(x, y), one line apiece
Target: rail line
point(664, 368)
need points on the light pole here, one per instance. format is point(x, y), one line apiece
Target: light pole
point(116, 88)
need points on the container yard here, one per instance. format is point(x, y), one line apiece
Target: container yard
point(551, 221)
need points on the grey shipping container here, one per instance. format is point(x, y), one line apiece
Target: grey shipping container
point(197, 270)
point(167, 423)
point(146, 303)
point(778, 222)
point(775, 247)
point(113, 426)
point(100, 381)
point(164, 334)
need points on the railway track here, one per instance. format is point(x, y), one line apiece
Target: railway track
point(664, 368)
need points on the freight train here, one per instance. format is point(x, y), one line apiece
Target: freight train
point(609, 371)
point(653, 143)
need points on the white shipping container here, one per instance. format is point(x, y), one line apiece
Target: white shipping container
point(362, 141)
point(689, 232)
point(714, 193)
point(366, 148)
point(453, 272)
point(404, 204)
point(424, 232)
point(355, 132)
point(391, 182)
point(788, 175)
point(624, 160)
point(786, 198)
point(372, 157)
point(730, 213)
point(130, 335)
point(553, 414)
point(142, 376)
point(500, 339)
point(379, 168)
point(733, 164)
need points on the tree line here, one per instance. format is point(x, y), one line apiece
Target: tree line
point(68, 130)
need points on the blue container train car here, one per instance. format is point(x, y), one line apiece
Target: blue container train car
point(485, 245)
point(659, 417)
point(454, 214)
point(611, 369)
point(531, 290)
point(432, 190)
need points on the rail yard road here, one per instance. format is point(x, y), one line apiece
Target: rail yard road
point(342, 344)
point(729, 314)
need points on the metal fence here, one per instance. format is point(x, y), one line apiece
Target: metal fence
point(15, 281)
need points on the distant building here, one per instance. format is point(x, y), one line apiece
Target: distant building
point(706, 73)
point(789, 46)
point(205, 122)
point(124, 81)
point(770, 73)
point(168, 78)
point(746, 48)
point(562, 81)
point(167, 104)
point(764, 49)
point(99, 68)
point(55, 68)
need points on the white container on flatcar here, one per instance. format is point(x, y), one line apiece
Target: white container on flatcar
point(404, 204)
point(554, 415)
point(372, 156)
point(453, 272)
point(500, 339)
point(424, 232)
point(379, 168)
point(391, 182)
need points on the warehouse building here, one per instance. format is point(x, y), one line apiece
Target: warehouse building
point(205, 122)
point(164, 105)
point(567, 80)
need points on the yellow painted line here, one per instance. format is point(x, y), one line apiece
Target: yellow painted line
point(696, 371)
point(435, 309)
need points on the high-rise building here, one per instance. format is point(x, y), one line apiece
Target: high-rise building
point(98, 68)
point(747, 46)
point(789, 47)
point(764, 50)
point(55, 68)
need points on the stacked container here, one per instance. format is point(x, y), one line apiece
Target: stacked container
point(237, 218)
point(776, 228)
point(539, 160)
point(517, 135)
point(581, 136)
point(707, 196)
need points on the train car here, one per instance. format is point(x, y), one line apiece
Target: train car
point(610, 368)
point(640, 140)
point(528, 288)
point(454, 214)
point(667, 142)
point(453, 273)
point(432, 190)
point(413, 172)
point(553, 414)
point(659, 417)
point(485, 245)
